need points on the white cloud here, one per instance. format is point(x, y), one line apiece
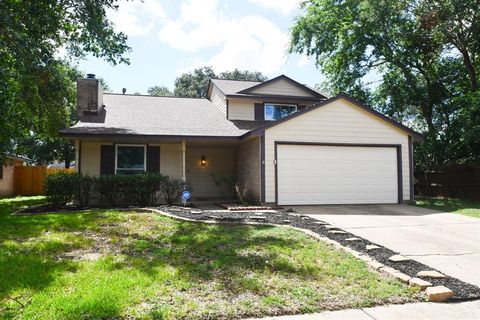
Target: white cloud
point(284, 6)
point(246, 42)
point(136, 18)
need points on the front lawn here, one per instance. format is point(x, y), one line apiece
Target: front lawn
point(111, 264)
point(465, 207)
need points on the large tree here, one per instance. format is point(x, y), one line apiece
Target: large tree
point(33, 93)
point(159, 91)
point(407, 45)
point(195, 84)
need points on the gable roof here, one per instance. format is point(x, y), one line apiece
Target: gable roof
point(284, 77)
point(155, 116)
point(233, 86)
point(417, 136)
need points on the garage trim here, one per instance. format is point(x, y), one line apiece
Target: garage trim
point(365, 145)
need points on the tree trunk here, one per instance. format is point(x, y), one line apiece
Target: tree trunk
point(472, 76)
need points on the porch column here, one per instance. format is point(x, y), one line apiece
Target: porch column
point(184, 147)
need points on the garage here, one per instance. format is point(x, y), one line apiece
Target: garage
point(337, 173)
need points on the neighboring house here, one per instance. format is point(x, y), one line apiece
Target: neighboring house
point(6, 174)
point(289, 143)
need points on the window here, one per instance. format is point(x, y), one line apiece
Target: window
point(130, 159)
point(278, 111)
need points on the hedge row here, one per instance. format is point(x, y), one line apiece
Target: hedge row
point(114, 190)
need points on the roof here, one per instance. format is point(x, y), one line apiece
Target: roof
point(158, 116)
point(18, 158)
point(417, 136)
point(233, 86)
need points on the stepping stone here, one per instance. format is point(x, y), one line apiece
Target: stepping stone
point(372, 247)
point(321, 223)
point(195, 211)
point(258, 213)
point(438, 293)
point(375, 265)
point(294, 214)
point(175, 209)
point(402, 277)
point(353, 239)
point(286, 221)
point(431, 274)
point(336, 232)
point(419, 283)
point(398, 258)
point(330, 228)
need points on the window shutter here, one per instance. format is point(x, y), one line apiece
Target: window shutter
point(300, 108)
point(107, 159)
point(1, 170)
point(153, 159)
point(259, 111)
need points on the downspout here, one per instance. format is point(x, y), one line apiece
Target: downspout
point(184, 147)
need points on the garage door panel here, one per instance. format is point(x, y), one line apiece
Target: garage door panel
point(309, 174)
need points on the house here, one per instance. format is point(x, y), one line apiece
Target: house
point(7, 173)
point(288, 143)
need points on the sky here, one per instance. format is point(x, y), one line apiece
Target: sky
point(171, 37)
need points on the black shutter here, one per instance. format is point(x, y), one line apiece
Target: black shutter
point(107, 159)
point(300, 108)
point(259, 111)
point(1, 170)
point(153, 159)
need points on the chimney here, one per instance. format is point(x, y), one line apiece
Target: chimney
point(89, 96)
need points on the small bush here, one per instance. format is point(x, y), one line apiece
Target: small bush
point(140, 189)
point(172, 190)
point(60, 188)
point(110, 189)
point(84, 189)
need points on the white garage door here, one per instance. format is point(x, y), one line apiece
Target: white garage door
point(310, 174)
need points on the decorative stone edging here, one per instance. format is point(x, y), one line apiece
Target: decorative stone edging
point(434, 294)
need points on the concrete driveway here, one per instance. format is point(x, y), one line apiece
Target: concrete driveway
point(447, 242)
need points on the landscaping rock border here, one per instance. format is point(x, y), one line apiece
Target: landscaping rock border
point(377, 259)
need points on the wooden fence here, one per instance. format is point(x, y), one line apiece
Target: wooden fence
point(30, 181)
point(458, 181)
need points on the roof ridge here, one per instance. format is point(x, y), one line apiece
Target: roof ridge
point(152, 96)
point(242, 80)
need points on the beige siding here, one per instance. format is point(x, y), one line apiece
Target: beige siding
point(248, 156)
point(337, 122)
point(170, 158)
point(282, 87)
point(241, 109)
point(218, 99)
point(90, 157)
point(200, 177)
point(6, 183)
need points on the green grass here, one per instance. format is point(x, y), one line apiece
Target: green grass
point(465, 207)
point(110, 264)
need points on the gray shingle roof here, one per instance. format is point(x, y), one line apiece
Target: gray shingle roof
point(233, 86)
point(149, 115)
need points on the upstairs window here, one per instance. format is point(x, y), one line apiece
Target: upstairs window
point(278, 111)
point(130, 159)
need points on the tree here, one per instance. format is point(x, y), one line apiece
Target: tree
point(32, 87)
point(422, 80)
point(195, 84)
point(160, 91)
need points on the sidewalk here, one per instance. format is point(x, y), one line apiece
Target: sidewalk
point(420, 311)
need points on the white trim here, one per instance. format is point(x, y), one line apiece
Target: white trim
point(131, 145)
point(276, 104)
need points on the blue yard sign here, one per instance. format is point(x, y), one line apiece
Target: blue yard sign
point(185, 196)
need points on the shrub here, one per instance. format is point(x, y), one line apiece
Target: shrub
point(110, 189)
point(172, 190)
point(84, 188)
point(60, 188)
point(140, 189)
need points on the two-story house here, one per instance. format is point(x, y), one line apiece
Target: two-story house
point(286, 142)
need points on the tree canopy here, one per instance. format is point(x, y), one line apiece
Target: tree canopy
point(160, 91)
point(425, 55)
point(35, 85)
point(195, 84)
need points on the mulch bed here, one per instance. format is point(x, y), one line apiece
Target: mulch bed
point(240, 207)
point(461, 289)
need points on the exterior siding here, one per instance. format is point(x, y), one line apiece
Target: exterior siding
point(6, 183)
point(200, 177)
point(337, 122)
point(218, 99)
point(249, 167)
point(282, 87)
point(170, 158)
point(241, 109)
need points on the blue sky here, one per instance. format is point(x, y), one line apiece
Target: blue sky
point(171, 37)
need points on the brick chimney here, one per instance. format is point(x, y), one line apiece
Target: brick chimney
point(89, 96)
